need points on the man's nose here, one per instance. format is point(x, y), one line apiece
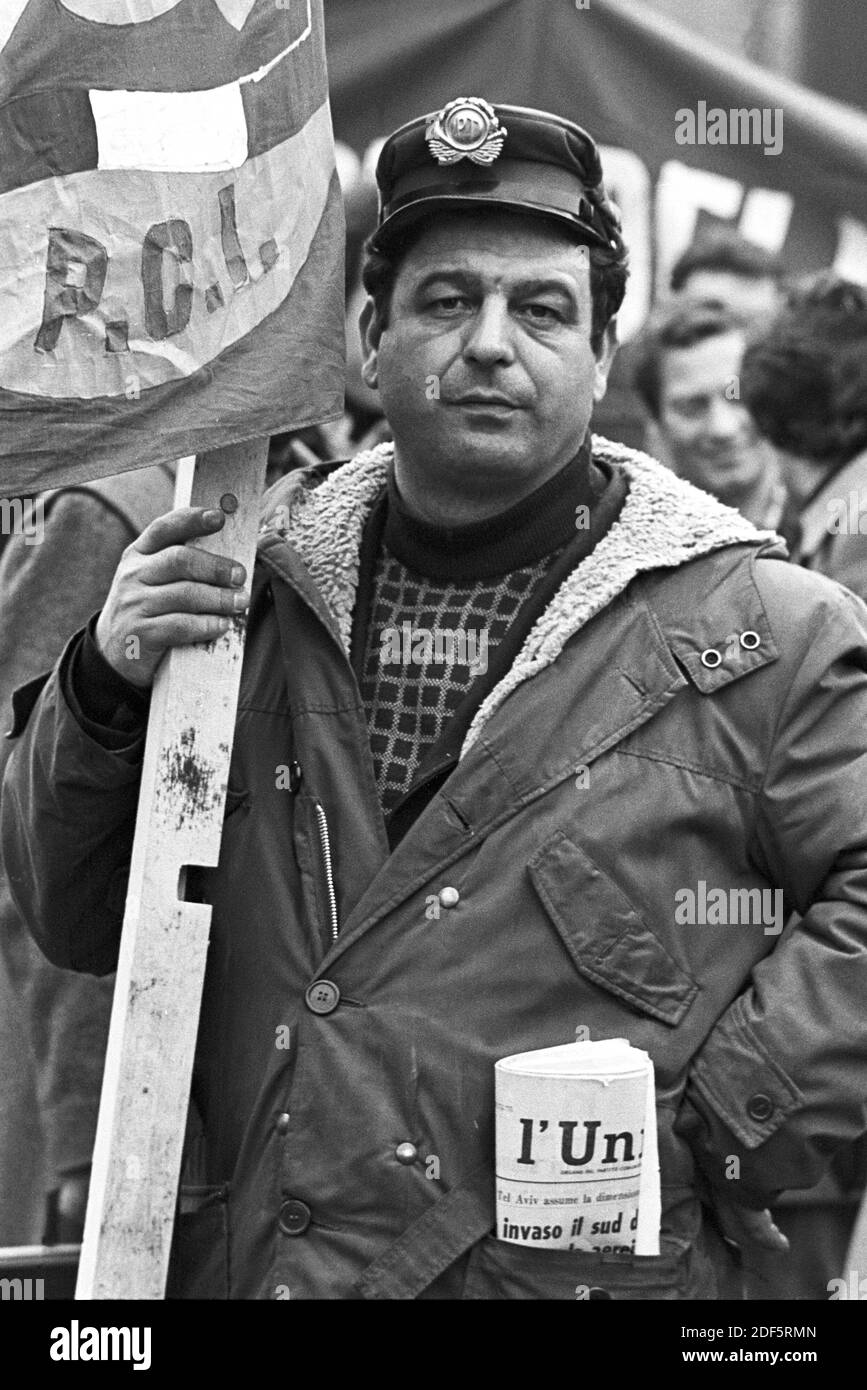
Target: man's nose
point(489, 335)
point(726, 419)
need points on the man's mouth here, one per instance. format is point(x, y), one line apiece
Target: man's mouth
point(725, 459)
point(487, 399)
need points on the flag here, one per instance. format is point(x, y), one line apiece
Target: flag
point(171, 232)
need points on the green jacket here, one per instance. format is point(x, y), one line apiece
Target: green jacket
point(689, 710)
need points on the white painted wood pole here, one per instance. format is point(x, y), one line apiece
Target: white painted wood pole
point(160, 974)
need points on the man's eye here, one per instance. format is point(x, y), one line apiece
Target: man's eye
point(542, 313)
point(691, 409)
point(448, 303)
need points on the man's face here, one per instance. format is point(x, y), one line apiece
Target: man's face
point(710, 434)
point(746, 298)
point(485, 370)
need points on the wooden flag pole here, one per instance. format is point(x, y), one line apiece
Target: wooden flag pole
point(160, 973)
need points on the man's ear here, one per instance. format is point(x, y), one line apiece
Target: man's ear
point(604, 359)
point(371, 332)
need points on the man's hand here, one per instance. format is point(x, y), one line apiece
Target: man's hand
point(746, 1227)
point(166, 593)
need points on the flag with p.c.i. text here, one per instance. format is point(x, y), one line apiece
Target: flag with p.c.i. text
point(171, 232)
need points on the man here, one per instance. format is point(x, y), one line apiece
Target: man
point(725, 267)
point(722, 268)
point(805, 384)
point(54, 1023)
point(687, 366)
point(428, 862)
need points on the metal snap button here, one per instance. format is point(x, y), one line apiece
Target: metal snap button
point(597, 1293)
point(295, 1217)
point(406, 1153)
point(281, 1124)
point(711, 658)
point(449, 897)
point(750, 640)
point(294, 776)
point(322, 997)
point(760, 1107)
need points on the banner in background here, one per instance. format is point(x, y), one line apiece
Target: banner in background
point(171, 247)
point(795, 183)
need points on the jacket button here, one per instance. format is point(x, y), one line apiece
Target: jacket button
point(294, 1217)
point(322, 997)
point(281, 1124)
point(406, 1153)
point(750, 640)
point(760, 1107)
point(597, 1293)
point(449, 897)
point(711, 658)
point(294, 776)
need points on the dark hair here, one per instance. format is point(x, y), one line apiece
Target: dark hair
point(608, 274)
point(725, 250)
point(804, 380)
point(675, 326)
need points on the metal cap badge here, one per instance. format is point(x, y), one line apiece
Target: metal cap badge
point(467, 128)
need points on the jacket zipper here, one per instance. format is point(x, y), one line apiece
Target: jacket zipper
point(329, 871)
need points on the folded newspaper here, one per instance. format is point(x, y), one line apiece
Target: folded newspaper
point(577, 1162)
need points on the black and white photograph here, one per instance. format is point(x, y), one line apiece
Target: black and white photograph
point(433, 666)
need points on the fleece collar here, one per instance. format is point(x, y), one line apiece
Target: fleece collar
point(665, 522)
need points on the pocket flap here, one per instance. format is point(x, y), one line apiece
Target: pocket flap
point(605, 935)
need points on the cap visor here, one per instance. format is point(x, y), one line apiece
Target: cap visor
point(395, 227)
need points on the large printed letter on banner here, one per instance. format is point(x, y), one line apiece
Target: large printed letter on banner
point(170, 232)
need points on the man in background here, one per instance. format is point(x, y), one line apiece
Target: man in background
point(724, 267)
point(805, 385)
point(54, 1023)
point(686, 368)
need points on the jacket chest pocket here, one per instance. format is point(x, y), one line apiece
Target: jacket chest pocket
point(606, 937)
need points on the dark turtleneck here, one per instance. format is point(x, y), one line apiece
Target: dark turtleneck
point(530, 529)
